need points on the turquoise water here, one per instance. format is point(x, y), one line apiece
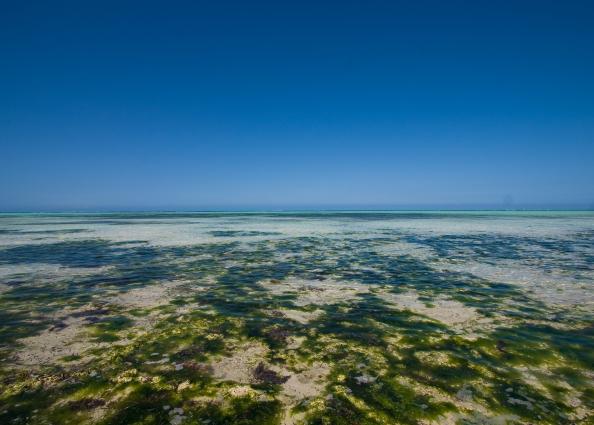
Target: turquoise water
point(297, 317)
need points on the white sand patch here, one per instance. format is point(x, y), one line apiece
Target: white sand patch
point(295, 342)
point(316, 292)
point(531, 224)
point(179, 231)
point(399, 248)
point(149, 296)
point(471, 412)
point(239, 367)
point(553, 287)
point(197, 230)
point(472, 418)
point(308, 383)
point(449, 312)
point(49, 272)
point(49, 346)
point(241, 391)
point(300, 316)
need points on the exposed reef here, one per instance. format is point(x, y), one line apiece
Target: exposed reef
point(329, 318)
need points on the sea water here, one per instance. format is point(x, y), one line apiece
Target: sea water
point(297, 317)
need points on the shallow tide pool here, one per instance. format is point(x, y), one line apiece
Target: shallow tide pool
point(297, 318)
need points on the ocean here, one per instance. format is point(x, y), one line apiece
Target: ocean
point(317, 317)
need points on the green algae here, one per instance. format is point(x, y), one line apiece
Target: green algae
point(387, 364)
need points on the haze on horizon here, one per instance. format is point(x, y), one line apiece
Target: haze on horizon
point(196, 105)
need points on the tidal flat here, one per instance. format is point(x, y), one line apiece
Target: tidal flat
point(316, 318)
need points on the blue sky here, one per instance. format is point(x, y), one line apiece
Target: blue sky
point(194, 105)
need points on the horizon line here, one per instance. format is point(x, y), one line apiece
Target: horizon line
point(298, 210)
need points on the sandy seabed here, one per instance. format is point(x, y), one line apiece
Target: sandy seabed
point(297, 318)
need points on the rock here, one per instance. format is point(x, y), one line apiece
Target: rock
point(87, 403)
point(177, 419)
point(188, 352)
point(277, 334)
point(365, 379)
point(464, 394)
point(58, 327)
point(184, 385)
point(92, 312)
point(517, 401)
point(501, 345)
point(268, 376)
point(239, 391)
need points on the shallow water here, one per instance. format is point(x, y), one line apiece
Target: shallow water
point(317, 318)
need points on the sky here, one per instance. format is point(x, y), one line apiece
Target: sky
point(306, 104)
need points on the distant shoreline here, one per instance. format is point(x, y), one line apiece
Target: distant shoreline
point(297, 211)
